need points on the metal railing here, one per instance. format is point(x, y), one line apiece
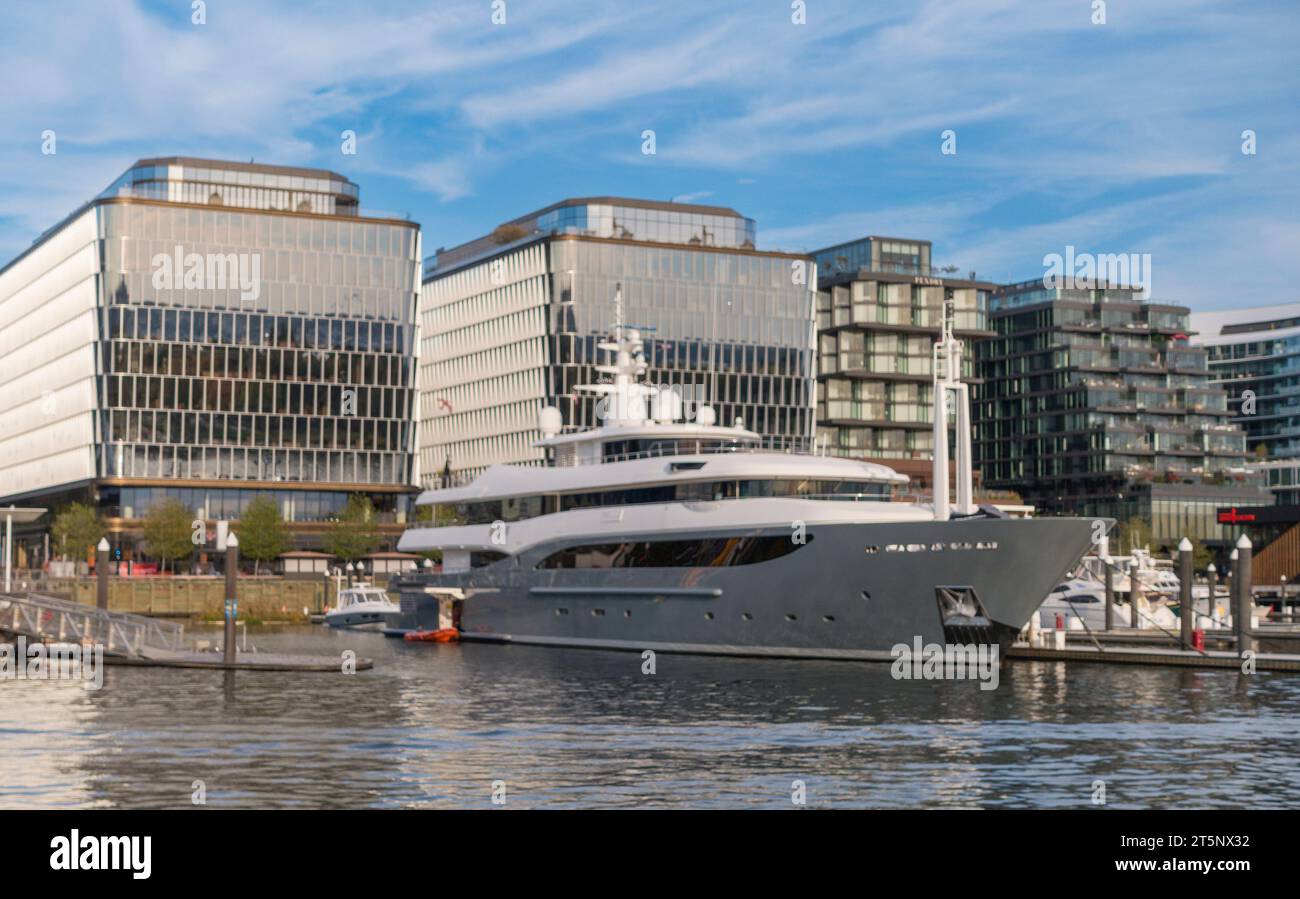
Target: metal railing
point(46, 618)
point(790, 445)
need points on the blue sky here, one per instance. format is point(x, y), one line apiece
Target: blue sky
point(1122, 137)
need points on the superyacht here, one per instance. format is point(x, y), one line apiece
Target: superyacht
point(649, 532)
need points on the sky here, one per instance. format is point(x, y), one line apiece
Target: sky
point(1119, 137)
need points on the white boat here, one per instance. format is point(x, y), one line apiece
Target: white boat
point(1156, 576)
point(363, 607)
point(1080, 602)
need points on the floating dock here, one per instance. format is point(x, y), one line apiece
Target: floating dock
point(244, 661)
point(1137, 654)
point(140, 640)
point(1276, 648)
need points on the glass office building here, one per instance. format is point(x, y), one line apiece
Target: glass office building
point(213, 332)
point(880, 307)
point(510, 324)
point(1092, 402)
point(1254, 355)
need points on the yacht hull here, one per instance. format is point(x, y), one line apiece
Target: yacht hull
point(852, 591)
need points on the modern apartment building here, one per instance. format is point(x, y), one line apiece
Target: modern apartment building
point(211, 331)
point(1093, 402)
point(1254, 355)
point(510, 323)
point(880, 305)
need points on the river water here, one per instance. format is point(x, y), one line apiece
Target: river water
point(438, 726)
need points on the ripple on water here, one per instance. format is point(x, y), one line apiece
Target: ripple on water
point(436, 726)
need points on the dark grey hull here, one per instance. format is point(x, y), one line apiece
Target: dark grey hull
point(853, 591)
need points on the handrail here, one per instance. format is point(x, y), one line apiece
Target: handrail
point(63, 619)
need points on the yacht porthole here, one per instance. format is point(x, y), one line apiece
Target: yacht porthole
point(830, 618)
point(708, 616)
point(597, 613)
point(791, 617)
point(627, 613)
point(747, 616)
point(866, 596)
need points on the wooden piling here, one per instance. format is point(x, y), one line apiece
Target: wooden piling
point(101, 574)
point(1134, 592)
point(1241, 608)
point(1186, 608)
point(1212, 580)
point(1108, 564)
point(232, 597)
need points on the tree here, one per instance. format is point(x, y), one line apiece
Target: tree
point(354, 534)
point(1134, 534)
point(1201, 556)
point(261, 532)
point(168, 531)
point(444, 516)
point(75, 529)
point(508, 233)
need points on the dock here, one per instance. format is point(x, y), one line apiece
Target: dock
point(1137, 653)
point(139, 640)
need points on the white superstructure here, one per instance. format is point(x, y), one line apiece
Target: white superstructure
point(643, 471)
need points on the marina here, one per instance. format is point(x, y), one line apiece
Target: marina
point(435, 726)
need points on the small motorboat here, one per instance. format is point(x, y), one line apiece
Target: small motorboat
point(1080, 603)
point(363, 607)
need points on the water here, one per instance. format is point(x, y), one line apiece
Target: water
point(437, 725)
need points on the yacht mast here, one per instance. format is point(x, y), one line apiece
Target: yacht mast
point(947, 377)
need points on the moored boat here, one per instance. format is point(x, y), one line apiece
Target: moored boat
point(651, 532)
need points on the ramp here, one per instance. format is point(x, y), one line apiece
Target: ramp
point(45, 618)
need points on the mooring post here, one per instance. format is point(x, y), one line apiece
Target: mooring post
point(1186, 608)
point(1241, 609)
point(1212, 581)
point(1231, 576)
point(232, 596)
point(1134, 591)
point(1108, 564)
point(101, 574)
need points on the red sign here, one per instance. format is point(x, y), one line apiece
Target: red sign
point(1232, 516)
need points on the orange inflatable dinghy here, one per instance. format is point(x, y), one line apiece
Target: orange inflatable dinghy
point(445, 635)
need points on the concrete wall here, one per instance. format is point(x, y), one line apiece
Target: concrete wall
point(264, 598)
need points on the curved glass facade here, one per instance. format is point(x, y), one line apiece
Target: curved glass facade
point(305, 375)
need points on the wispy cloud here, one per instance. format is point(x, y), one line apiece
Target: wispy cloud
point(1124, 135)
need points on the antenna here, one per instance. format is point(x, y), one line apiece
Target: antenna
point(618, 312)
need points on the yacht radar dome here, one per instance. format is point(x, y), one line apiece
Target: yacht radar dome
point(667, 404)
point(549, 421)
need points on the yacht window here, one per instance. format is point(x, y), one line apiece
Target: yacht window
point(520, 508)
point(715, 553)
